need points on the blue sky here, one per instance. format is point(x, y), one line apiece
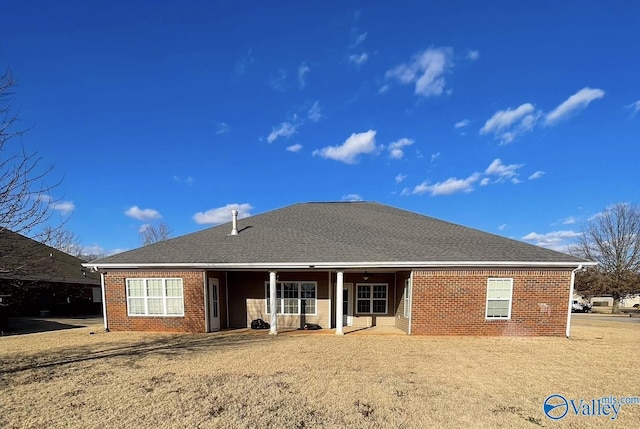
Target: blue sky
point(520, 119)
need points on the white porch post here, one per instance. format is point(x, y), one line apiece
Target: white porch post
point(273, 303)
point(104, 303)
point(339, 303)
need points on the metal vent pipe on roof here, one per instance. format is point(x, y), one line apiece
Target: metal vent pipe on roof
point(234, 227)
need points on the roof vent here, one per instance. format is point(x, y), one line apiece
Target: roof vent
point(234, 227)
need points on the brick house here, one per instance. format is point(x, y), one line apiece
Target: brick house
point(336, 265)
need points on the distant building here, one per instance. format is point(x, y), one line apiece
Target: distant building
point(38, 280)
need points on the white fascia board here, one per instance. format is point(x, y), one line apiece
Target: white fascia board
point(339, 265)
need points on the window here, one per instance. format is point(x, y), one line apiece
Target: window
point(371, 298)
point(499, 292)
point(155, 297)
point(293, 298)
point(407, 300)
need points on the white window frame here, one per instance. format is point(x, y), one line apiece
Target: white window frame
point(407, 298)
point(509, 299)
point(280, 301)
point(371, 298)
point(146, 297)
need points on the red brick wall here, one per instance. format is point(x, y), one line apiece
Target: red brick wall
point(116, 300)
point(453, 302)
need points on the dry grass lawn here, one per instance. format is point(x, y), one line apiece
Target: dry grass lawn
point(71, 379)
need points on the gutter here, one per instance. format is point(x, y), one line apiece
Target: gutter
point(573, 280)
point(346, 266)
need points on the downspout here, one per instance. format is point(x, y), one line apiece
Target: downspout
point(573, 280)
point(104, 303)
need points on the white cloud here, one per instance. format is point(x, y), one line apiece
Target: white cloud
point(302, 71)
point(569, 221)
point(450, 186)
point(435, 156)
point(315, 113)
point(142, 214)
point(295, 148)
point(359, 39)
point(64, 207)
point(462, 124)
point(507, 124)
point(285, 129)
point(222, 128)
point(351, 197)
point(383, 89)
point(222, 214)
point(635, 106)
point(357, 144)
point(426, 70)
point(188, 180)
point(395, 148)
point(485, 181)
point(244, 63)
point(556, 240)
point(144, 227)
point(578, 101)
point(503, 172)
point(278, 80)
point(502, 227)
point(473, 54)
point(400, 178)
point(538, 174)
point(358, 59)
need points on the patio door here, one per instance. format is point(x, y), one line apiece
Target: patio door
point(347, 304)
point(214, 305)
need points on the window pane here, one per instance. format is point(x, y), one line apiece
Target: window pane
point(310, 306)
point(174, 287)
point(155, 305)
point(136, 305)
point(290, 290)
point(498, 309)
point(174, 306)
point(154, 287)
point(379, 291)
point(379, 306)
point(364, 306)
point(364, 292)
point(308, 290)
point(290, 306)
point(135, 287)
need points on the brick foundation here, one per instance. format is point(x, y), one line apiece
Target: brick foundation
point(452, 302)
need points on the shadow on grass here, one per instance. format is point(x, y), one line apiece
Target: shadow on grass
point(170, 347)
point(28, 325)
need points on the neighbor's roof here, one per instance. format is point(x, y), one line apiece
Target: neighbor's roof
point(22, 258)
point(342, 234)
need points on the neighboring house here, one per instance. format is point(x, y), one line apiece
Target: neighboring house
point(341, 264)
point(36, 279)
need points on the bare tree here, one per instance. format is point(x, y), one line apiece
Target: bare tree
point(62, 239)
point(150, 234)
point(25, 198)
point(612, 238)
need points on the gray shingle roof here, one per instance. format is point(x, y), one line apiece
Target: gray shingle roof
point(341, 232)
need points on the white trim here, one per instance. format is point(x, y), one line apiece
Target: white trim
point(273, 279)
point(410, 302)
point(340, 265)
point(104, 303)
point(339, 303)
point(146, 297)
point(330, 296)
point(486, 307)
point(205, 287)
point(371, 298)
point(299, 298)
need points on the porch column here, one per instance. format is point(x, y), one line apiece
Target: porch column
point(339, 303)
point(273, 303)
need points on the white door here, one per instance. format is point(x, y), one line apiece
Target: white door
point(214, 305)
point(347, 304)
